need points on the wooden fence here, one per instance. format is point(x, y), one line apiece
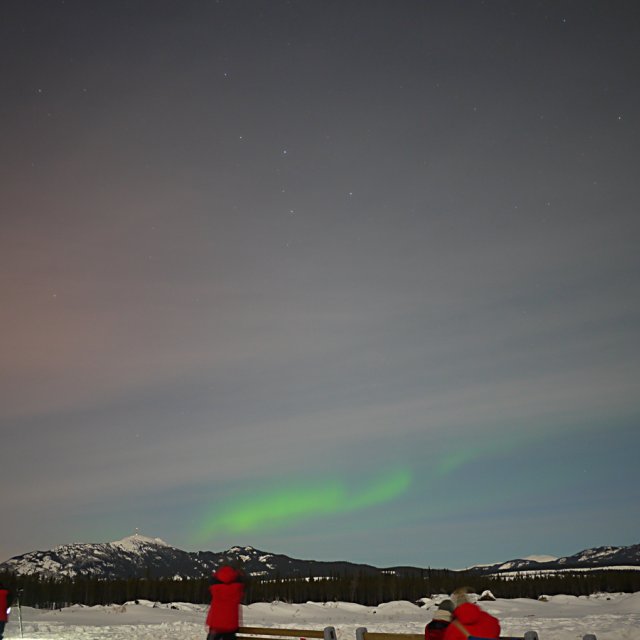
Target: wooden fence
point(267, 633)
point(329, 633)
point(363, 634)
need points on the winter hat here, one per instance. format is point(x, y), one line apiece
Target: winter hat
point(226, 573)
point(446, 605)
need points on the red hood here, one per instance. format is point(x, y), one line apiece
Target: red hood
point(226, 574)
point(468, 613)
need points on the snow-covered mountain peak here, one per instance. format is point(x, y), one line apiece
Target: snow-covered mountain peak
point(538, 558)
point(600, 558)
point(140, 556)
point(133, 543)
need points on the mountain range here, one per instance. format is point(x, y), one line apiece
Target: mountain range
point(587, 559)
point(140, 556)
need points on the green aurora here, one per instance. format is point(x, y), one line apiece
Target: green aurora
point(273, 508)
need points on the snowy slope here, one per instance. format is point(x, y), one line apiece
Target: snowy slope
point(610, 617)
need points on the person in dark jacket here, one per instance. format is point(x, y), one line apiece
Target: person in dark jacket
point(5, 604)
point(441, 619)
point(227, 590)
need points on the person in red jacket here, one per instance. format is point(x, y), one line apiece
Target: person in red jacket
point(470, 620)
point(227, 590)
point(5, 603)
point(441, 619)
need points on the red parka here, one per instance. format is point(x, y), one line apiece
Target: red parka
point(476, 621)
point(5, 601)
point(226, 595)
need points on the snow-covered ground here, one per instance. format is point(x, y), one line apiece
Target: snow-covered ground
point(610, 617)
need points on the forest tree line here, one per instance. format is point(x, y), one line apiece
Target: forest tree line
point(369, 590)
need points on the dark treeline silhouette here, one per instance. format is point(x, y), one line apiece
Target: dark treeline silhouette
point(368, 590)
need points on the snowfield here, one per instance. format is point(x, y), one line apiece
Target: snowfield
point(609, 616)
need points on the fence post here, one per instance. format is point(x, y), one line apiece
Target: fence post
point(589, 636)
point(329, 633)
point(20, 612)
point(360, 633)
point(532, 635)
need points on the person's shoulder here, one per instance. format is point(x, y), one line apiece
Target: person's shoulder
point(438, 624)
point(451, 631)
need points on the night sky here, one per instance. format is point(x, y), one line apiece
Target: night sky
point(340, 279)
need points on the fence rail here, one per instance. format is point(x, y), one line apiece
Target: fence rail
point(329, 633)
point(253, 633)
point(363, 634)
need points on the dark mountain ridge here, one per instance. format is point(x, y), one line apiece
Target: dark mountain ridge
point(139, 557)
